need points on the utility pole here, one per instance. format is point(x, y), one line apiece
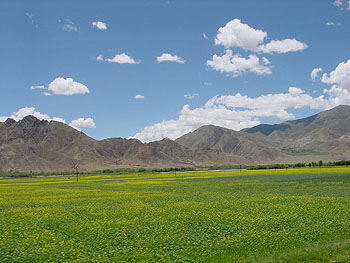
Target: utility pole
point(76, 171)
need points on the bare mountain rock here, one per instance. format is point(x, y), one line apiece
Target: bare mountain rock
point(249, 146)
point(326, 133)
point(34, 145)
point(31, 144)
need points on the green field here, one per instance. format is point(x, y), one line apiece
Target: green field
point(294, 215)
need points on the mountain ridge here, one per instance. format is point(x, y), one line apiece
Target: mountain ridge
point(39, 145)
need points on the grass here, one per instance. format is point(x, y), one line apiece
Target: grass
point(294, 215)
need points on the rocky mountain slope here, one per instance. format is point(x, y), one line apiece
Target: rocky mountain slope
point(251, 147)
point(34, 145)
point(326, 133)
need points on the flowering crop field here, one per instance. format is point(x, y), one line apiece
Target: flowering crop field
point(294, 215)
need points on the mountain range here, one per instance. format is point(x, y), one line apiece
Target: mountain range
point(38, 145)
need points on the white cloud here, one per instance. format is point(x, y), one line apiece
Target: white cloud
point(271, 105)
point(37, 87)
point(283, 46)
point(121, 59)
point(205, 36)
point(207, 83)
point(100, 25)
point(83, 123)
point(240, 111)
point(330, 23)
point(166, 57)
point(139, 96)
point(237, 34)
point(339, 78)
point(191, 96)
point(62, 86)
point(99, 58)
point(192, 119)
point(237, 65)
point(315, 72)
point(26, 111)
point(342, 4)
point(70, 26)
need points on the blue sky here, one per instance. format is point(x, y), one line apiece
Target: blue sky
point(155, 69)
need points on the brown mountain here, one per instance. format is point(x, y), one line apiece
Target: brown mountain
point(31, 144)
point(326, 133)
point(34, 145)
point(251, 147)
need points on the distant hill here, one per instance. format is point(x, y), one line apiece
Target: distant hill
point(34, 145)
point(326, 133)
point(253, 148)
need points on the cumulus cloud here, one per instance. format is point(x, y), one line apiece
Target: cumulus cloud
point(191, 96)
point(315, 72)
point(192, 119)
point(342, 4)
point(100, 25)
point(238, 65)
point(119, 58)
point(139, 96)
point(241, 111)
point(205, 36)
point(283, 46)
point(166, 57)
point(339, 78)
point(26, 111)
point(83, 123)
point(271, 105)
point(62, 86)
point(237, 34)
point(21, 113)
